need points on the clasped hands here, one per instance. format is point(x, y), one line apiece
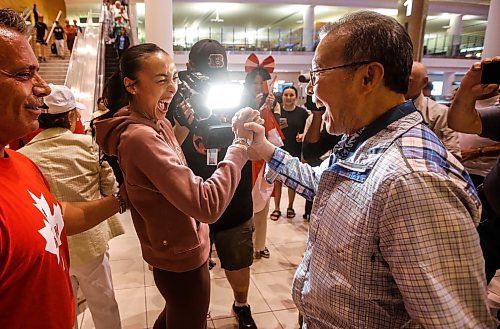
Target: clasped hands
point(248, 124)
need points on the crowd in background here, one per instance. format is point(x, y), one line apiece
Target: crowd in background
point(116, 25)
point(60, 33)
point(392, 239)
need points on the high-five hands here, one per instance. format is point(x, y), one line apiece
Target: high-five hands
point(243, 116)
point(260, 148)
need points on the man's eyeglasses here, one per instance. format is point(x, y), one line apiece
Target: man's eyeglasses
point(315, 74)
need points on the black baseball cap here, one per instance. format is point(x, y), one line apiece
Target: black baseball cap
point(208, 57)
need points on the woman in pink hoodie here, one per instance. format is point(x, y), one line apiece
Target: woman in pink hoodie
point(170, 206)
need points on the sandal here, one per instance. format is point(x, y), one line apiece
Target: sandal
point(275, 215)
point(290, 213)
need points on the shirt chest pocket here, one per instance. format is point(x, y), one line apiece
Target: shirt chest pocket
point(343, 229)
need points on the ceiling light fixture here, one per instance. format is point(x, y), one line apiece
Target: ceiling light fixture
point(217, 19)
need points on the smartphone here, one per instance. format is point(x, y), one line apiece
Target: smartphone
point(491, 73)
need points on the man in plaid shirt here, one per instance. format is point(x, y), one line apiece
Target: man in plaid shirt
point(392, 239)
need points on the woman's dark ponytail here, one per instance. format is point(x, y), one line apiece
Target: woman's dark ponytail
point(115, 95)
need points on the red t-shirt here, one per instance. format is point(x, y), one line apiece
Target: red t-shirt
point(35, 288)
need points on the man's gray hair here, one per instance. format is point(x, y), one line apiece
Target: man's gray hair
point(371, 36)
point(12, 20)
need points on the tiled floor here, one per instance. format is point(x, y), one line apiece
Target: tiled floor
point(270, 288)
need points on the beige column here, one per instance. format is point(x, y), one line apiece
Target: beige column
point(159, 23)
point(454, 33)
point(491, 38)
point(308, 30)
point(413, 14)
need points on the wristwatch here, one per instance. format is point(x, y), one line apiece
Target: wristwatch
point(121, 202)
point(242, 143)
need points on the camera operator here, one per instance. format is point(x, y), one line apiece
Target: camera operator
point(232, 233)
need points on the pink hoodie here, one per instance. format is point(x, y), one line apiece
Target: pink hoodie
point(165, 196)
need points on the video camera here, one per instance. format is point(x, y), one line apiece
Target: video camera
point(211, 103)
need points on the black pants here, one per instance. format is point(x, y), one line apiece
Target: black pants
point(489, 237)
point(308, 207)
point(70, 43)
point(187, 297)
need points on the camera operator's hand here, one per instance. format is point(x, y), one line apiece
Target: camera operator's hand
point(181, 131)
point(187, 111)
point(243, 116)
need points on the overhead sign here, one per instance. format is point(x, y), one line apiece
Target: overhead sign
point(409, 6)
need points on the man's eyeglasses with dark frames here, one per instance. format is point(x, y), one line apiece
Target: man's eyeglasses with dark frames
point(314, 74)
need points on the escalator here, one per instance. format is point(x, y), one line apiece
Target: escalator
point(110, 62)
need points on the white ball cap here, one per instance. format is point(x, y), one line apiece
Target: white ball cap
point(60, 100)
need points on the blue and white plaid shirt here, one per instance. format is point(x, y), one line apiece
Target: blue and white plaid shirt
point(392, 239)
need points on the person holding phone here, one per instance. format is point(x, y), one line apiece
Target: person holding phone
point(465, 118)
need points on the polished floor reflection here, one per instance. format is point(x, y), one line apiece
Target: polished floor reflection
point(270, 288)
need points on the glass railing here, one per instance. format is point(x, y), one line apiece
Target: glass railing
point(83, 72)
point(464, 46)
point(134, 27)
point(235, 38)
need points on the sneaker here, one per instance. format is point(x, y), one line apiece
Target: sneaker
point(211, 264)
point(244, 316)
point(265, 253)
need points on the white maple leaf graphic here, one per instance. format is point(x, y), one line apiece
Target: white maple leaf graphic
point(54, 225)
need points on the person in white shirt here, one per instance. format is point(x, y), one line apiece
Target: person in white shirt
point(434, 113)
